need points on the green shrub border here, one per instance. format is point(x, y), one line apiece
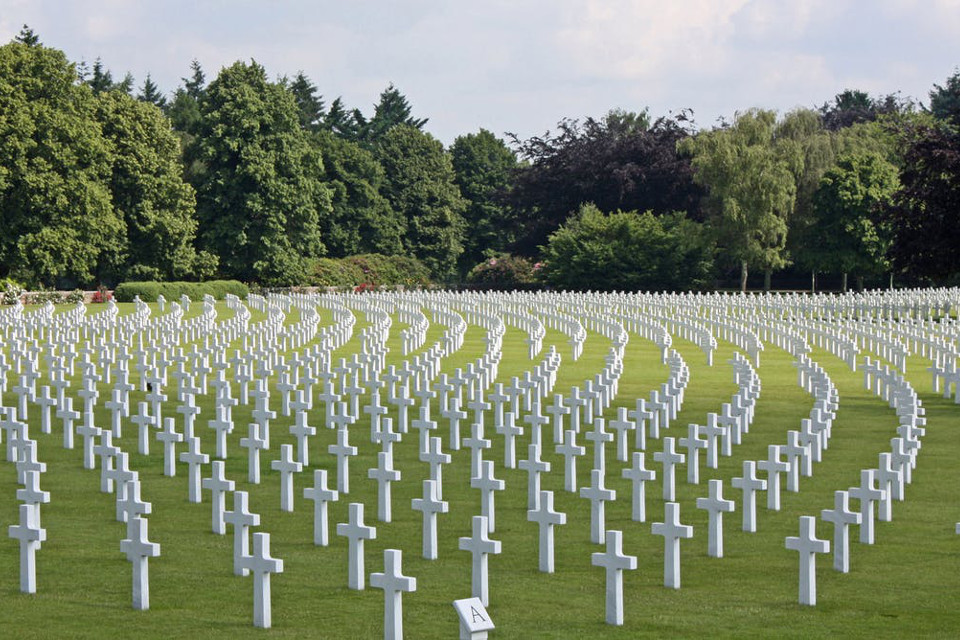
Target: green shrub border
point(171, 291)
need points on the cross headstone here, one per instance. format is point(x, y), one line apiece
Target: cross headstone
point(139, 550)
point(598, 495)
point(218, 485)
point(320, 495)
point(261, 565)
point(842, 518)
point(638, 476)
point(672, 532)
point(669, 458)
point(487, 484)
point(480, 546)
point(544, 515)
point(253, 443)
point(774, 466)
point(287, 466)
point(693, 444)
point(570, 451)
point(868, 495)
point(615, 562)
point(534, 466)
point(430, 505)
point(30, 535)
point(808, 546)
point(715, 506)
point(241, 519)
point(384, 474)
point(355, 532)
point(394, 585)
point(169, 437)
point(195, 460)
point(749, 484)
point(343, 450)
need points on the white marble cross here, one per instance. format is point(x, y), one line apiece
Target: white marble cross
point(253, 443)
point(487, 484)
point(129, 504)
point(570, 451)
point(534, 466)
point(890, 480)
point(355, 532)
point(31, 494)
point(195, 460)
point(30, 535)
point(842, 518)
point(218, 485)
point(544, 515)
point(169, 437)
point(808, 546)
point(598, 494)
point(320, 495)
point(749, 484)
point(436, 458)
point(669, 458)
point(672, 532)
point(144, 421)
point(139, 550)
point(384, 474)
point(394, 585)
point(774, 466)
point(476, 443)
point(615, 562)
point(715, 506)
point(867, 494)
point(343, 450)
point(430, 505)
point(241, 519)
point(693, 443)
point(88, 431)
point(261, 565)
point(480, 546)
point(287, 466)
point(638, 476)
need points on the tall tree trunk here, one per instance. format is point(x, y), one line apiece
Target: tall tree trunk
point(844, 281)
point(813, 281)
point(891, 280)
point(743, 276)
point(766, 279)
point(859, 283)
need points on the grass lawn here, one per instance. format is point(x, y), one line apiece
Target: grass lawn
point(906, 585)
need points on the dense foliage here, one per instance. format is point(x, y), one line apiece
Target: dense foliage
point(265, 181)
point(627, 251)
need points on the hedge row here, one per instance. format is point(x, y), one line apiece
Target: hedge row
point(370, 268)
point(150, 291)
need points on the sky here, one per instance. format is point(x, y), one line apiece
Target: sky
point(521, 66)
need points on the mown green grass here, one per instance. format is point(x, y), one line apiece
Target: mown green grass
point(906, 585)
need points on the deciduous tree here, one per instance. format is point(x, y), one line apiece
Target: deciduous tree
point(259, 191)
point(421, 187)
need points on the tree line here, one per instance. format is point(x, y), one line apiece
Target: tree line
point(254, 179)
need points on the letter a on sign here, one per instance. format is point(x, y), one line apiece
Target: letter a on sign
point(474, 620)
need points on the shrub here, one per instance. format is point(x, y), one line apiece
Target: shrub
point(10, 291)
point(43, 297)
point(74, 296)
point(372, 269)
point(127, 291)
point(149, 291)
point(628, 252)
point(504, 269)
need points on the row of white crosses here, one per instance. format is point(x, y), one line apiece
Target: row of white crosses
point(533, 461)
